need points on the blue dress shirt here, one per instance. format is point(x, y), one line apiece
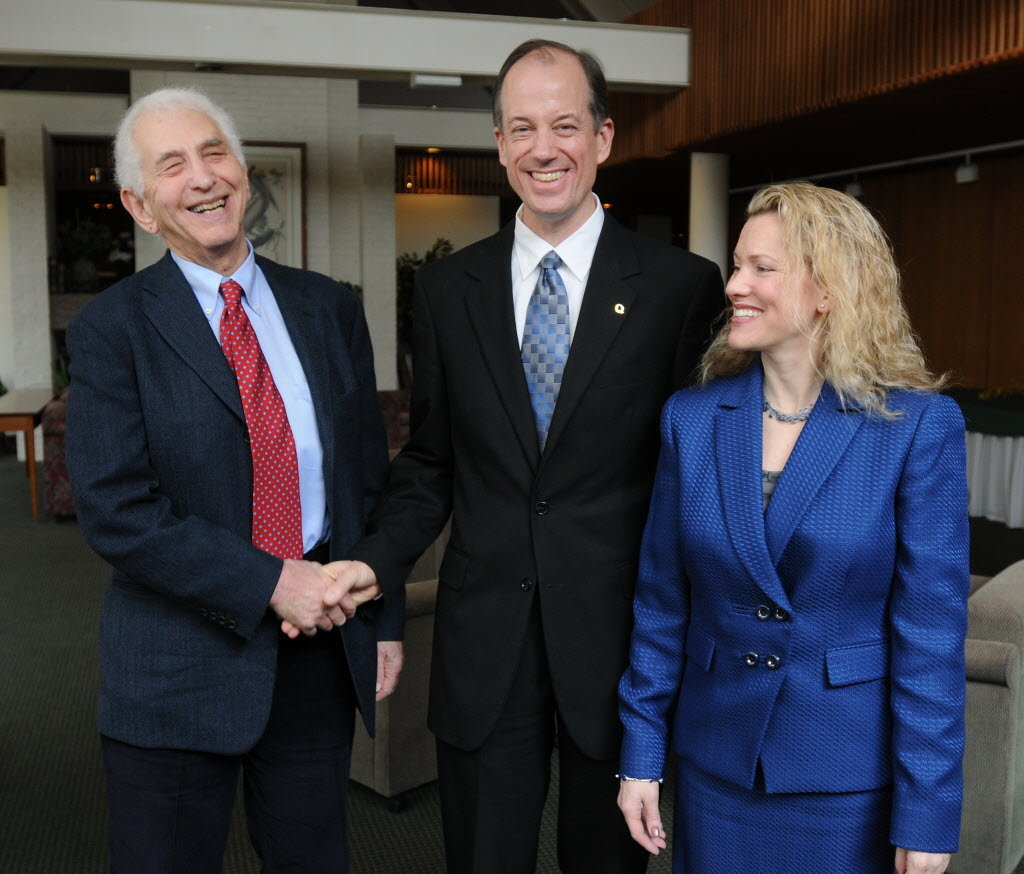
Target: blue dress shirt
point(261, 308)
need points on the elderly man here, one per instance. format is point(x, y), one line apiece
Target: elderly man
point(225, 442)
point(543, 356)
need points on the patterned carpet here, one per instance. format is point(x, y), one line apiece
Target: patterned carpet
point(52, 813)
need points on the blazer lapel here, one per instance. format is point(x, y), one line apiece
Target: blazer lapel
point(492, 314)
point(737, 436)
point(605, 308)
point(820, 446)
point(172, 308)
point(306, 332)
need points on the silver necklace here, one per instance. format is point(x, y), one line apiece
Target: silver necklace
point(788, 418)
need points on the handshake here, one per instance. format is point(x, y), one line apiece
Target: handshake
point(312, 597)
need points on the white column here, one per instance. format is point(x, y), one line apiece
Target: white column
point(709, 207)
point(377, 218)
point(25, 319)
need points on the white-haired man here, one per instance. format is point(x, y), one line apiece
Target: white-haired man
point(224, 440)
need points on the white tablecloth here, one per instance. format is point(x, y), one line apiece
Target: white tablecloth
point(995, 478)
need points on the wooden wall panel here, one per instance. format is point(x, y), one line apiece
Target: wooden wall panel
point(755, 63)
point(1006, 291)
point(449, 173)
point(960, 249)
point(944, 236)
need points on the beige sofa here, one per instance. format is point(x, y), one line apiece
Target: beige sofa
point(992, 832)
point(403, 756)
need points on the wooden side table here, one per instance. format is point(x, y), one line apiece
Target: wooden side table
point(22, 410)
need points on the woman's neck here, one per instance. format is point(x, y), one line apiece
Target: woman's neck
point(790, 382)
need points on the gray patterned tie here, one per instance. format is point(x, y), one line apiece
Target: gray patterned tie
point(546, 342)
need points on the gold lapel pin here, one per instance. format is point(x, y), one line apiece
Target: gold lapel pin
point(620, 309)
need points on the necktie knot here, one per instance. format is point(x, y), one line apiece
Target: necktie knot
point(551, 261)
point(231, 291)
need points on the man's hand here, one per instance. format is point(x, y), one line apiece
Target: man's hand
point(390, 658)
point(299, 598)
point(354, 583)
point(638, 802)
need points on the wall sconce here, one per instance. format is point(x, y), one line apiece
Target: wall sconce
point(433, 150)
point(97, 174)
point(409, 182)
point(966, 172)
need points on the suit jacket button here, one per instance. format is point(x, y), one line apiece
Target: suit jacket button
point(772, 661)
point(751, 659)
point(781, 615)
point(541, 508)
point(763, 612)
point(526, 584)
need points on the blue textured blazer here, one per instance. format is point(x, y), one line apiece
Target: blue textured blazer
point(825, 637)
point(162, 473)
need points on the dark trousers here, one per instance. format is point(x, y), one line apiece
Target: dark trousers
point(170, 810)
point(492, 798)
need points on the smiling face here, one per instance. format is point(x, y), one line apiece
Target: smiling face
point(547, 142)
point(775, 303)
point(195, 188)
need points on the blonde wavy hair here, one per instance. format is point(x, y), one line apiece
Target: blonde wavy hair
point(865, 345)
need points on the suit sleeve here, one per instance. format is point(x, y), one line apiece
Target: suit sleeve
point(123, 513)
point(417, 501)
point(388, 614)
point(650, 686)
point(928, 624)
point(703, 319)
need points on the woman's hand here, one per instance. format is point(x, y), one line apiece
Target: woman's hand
point(913, 861)
point(638, 801)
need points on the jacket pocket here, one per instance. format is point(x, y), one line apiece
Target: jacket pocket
point(454, 566)
point(700, 646)
point(857, 663)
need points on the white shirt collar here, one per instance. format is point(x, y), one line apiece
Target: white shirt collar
point(576, 250)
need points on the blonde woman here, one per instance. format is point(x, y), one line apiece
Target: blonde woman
point(801, 607)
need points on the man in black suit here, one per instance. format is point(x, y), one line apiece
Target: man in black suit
point(534, 604)
point(224, 440)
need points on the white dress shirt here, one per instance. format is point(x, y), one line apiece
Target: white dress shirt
point(576, 252)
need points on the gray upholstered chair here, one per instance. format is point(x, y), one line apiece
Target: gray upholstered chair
point(402, 756)
point(992, 833)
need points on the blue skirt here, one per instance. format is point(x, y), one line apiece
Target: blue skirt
point(721, 828)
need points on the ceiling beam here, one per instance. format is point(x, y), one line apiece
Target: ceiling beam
point(321, 39)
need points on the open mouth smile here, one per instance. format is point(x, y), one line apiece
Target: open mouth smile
point(212, 206)
point(547, 175)
point(744, 313)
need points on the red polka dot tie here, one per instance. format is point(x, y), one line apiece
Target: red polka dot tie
point(276, 508)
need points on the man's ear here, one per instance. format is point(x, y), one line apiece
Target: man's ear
point(499, 138)
point(138, 210)
point(605, 135)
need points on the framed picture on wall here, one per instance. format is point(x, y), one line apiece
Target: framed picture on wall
point(275, 219)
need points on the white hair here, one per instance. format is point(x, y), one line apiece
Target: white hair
point(127, 167)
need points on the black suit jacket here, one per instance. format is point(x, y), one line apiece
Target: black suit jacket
point(562, 526)
point(162, 473)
